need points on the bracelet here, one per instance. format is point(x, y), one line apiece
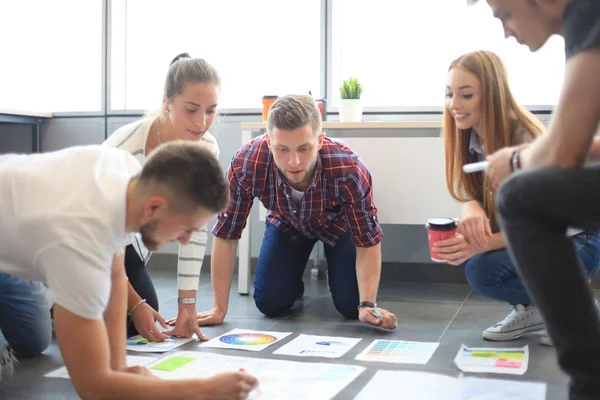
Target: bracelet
point(136, 306)
point(515, 162)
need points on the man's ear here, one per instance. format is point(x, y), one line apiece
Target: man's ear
point(154, 208)
point(268, 140)
point(321, 138)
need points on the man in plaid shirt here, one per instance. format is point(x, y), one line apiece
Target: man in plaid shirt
point(314, 188)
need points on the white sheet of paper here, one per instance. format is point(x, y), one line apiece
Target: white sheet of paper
point(398, 351)
point(139, 344)
point(279, 379)
point(131, 361)
point(318, 346)
point(513, 361)
point(471, 388)
point(409, 385)
point(245, 339)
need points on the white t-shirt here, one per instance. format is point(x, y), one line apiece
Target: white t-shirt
point(62, 220)
point(133, 138)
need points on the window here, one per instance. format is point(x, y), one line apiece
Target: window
point(259, 47)
point(51, 55)
point(401, 50)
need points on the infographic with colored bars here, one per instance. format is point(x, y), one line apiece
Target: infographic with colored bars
point(398, 351)
point(512, 361)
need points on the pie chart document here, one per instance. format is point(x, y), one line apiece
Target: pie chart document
point(318, 346)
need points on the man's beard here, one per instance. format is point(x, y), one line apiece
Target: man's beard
point(147, 232)
point(307, 178)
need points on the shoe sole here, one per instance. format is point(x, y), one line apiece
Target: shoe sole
point(546, 341)
point(512, 335)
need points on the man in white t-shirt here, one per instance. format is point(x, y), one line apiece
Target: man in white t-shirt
point(65, 219)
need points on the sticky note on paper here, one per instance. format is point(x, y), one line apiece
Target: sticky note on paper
point(173, 363)
point(508, 364)
point(511, 356)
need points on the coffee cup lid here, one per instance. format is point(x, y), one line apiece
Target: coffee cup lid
point(270, 97)
point(441, 224)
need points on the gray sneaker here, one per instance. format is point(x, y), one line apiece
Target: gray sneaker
point(7, 363)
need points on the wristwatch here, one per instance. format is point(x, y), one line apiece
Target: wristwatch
point(366, 304)
point(186, 300)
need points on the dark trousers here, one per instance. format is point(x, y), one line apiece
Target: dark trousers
point(140, 280)
point(535, 209)
point(281, 263)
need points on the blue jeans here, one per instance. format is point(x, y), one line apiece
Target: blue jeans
point(281, 263)
point(24, 316)
point(494, 275)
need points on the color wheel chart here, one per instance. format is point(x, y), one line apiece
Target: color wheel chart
point(248, 339)
point(398, 351)
point(245, 339)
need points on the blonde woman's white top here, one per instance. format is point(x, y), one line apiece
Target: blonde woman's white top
point(132, 138)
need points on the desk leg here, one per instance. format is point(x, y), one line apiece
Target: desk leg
point(35, 138)
point(244, 271)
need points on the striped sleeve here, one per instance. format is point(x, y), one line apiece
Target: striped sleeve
point(191, 256)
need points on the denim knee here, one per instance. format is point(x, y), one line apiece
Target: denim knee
point(273, 306)
point(476, 274)
point(33, 345)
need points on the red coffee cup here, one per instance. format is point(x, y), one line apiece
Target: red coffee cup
point(439, 229)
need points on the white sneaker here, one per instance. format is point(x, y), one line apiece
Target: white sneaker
point(545, 339)
point(521, 320)
point(7, 363)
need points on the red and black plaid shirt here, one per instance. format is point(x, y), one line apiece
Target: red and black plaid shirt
point(339, 198)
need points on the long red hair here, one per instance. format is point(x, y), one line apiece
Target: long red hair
point(500, 116)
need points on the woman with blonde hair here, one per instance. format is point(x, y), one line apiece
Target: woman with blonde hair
point(191, 94)
point(481, 116)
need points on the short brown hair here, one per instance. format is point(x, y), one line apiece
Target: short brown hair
point(188, 174)
point(294, 111)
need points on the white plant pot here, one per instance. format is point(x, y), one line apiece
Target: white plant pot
point(350, 110)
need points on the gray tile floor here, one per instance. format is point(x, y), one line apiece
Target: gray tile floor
point(445, 312)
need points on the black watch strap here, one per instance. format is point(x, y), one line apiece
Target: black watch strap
point(366, 304)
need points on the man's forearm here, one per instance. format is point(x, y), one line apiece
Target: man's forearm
point(368, 271)
point(115, 315)
point(221, 270)
point(575, 119)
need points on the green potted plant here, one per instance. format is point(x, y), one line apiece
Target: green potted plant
point(351, 105)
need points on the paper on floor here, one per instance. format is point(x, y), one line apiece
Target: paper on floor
point(318, 346)
point(131, 361)
point(512, 361)
point(139, 344)
point(416, 385)
point(398, 351)
point(278, 379)
point(245, 339)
